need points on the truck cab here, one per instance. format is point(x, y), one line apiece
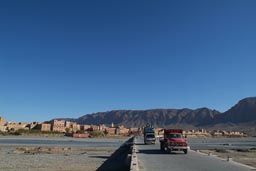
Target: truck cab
point(174, 141)
point(149, 134)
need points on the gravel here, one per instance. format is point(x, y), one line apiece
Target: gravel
point(35, 157)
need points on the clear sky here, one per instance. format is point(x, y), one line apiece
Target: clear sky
point(70, 58)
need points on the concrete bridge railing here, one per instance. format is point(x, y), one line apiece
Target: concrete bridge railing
point(134, 159)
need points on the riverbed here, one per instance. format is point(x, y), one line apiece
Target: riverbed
point(55, 154)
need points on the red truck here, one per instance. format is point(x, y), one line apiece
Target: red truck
point(173, 141)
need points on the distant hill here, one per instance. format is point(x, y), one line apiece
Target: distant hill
point(241, 117)
point(243, 111)
point(158, 117)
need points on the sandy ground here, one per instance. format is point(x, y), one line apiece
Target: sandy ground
point(240, 154)
point(246, 157)
point(53, 158)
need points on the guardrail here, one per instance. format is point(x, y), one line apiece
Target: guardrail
point(134, 159)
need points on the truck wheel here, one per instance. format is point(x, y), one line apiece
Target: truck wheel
point(162, 147)
point(185, 151)
point(169, 151)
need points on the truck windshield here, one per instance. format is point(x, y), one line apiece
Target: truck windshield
point(174, 136)
point(150, 136)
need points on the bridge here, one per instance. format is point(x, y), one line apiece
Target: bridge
point(151, 158)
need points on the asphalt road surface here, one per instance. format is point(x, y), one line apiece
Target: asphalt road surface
point(152, 158)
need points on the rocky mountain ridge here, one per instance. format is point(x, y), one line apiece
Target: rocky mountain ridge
point(242, 115)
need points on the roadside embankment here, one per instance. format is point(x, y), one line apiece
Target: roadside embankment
point(238, 149)
point(243, 156)
point(120, 159)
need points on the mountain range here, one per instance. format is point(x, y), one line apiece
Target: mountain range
point(241, 117)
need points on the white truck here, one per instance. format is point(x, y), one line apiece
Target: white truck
point(149, 135)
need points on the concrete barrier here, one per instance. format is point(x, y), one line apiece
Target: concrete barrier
point(229, 158)
point(134, 159)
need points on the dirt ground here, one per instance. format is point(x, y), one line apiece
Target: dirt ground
point(53, 158)
point(244, 156)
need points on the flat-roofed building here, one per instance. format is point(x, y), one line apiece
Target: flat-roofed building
point(3, 127)
point(85, 127)
point(45, 127)
point(67, 124)
point(124, 131)
point(102, 127)
point(111, 131)
point(58, 125)
point(74, 127)
point(134, 131)
point(94, 128)
point(2, 121)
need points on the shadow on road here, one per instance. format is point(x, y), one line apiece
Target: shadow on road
point(145, 144)
point(101, 157)
point(154, 151)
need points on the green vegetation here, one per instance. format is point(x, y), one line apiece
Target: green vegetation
point(4, 133)
point(30, 132)
point(23, 131)
point(80, 132)
point(96, 134)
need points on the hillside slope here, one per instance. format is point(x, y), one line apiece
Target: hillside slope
point(158, 117)
point(241, 116)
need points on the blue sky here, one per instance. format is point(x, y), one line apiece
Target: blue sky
point(70, 58)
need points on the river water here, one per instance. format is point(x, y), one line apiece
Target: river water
point(107, 142)
point(88, 142)
point(225, 144)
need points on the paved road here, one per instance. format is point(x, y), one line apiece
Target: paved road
point(152, 159)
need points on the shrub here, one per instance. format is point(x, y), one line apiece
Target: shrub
point(96, 134)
